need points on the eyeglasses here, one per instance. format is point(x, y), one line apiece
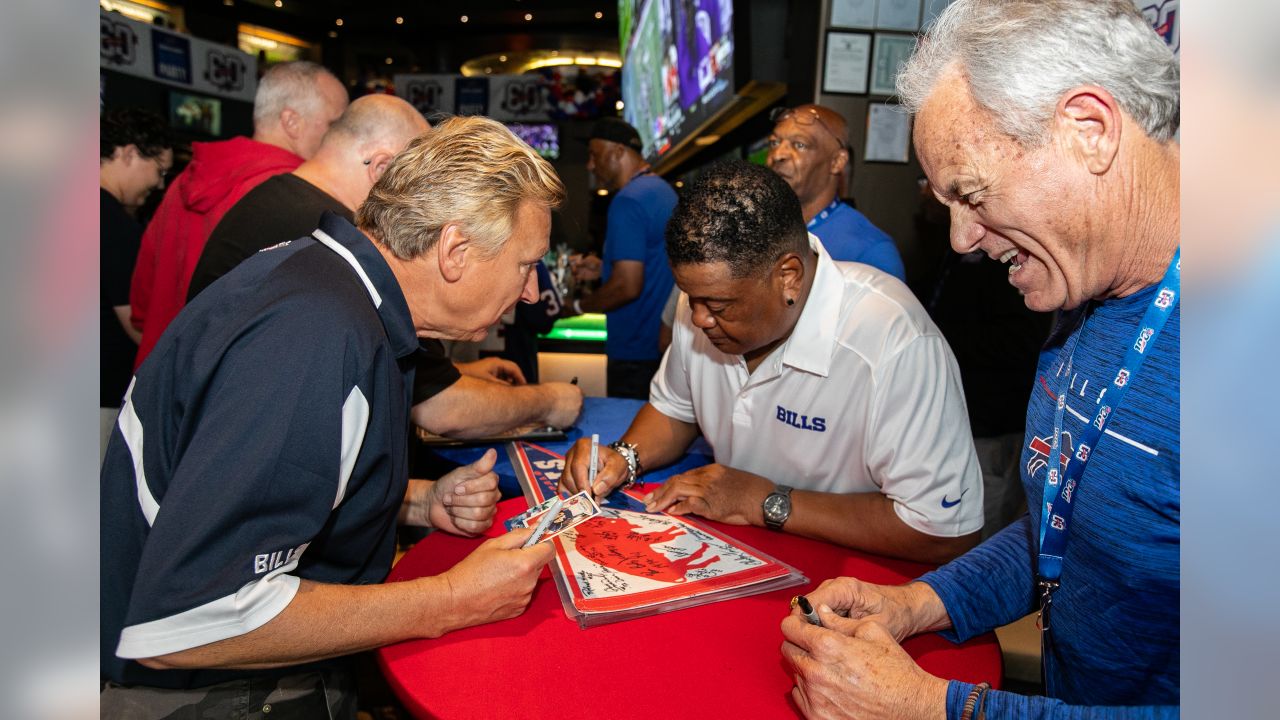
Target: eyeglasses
point(804, 116)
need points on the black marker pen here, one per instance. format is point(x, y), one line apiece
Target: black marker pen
point(807, 610)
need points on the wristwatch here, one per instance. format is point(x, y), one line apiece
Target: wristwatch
point(777, 507)
point(628, 453)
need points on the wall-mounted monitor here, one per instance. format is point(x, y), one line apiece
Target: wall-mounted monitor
point(544, 138)
point(195, 114)
point(678, 69)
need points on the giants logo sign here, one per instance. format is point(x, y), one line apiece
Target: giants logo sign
point(119, 42)
point(225, 71)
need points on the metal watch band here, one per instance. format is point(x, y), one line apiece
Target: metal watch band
point(628, 453)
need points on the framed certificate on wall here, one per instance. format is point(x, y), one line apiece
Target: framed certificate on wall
point(891, 52)
point(844, 69)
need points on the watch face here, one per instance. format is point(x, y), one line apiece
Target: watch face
point(776, 506)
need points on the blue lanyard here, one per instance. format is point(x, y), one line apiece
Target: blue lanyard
point(1055, 513)
point(822, 216)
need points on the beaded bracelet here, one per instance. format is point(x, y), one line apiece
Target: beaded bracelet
point(978, 692)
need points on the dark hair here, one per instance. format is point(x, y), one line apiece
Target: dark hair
point(737, 213)
point(133, 126)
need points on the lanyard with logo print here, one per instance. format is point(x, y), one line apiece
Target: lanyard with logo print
point(1061, 488)
point(822, 216)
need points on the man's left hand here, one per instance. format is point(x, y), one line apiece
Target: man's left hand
point(493, 369)
point(855, 669)
point(465, 501)
point(715, 492)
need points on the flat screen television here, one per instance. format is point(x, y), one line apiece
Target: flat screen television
point(678, 69)
point(195, 114)
point(544, 138)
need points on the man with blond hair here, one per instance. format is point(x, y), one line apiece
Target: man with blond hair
point(253, 483)
point(1047, 128)
point(292, 110)
point(471, 400)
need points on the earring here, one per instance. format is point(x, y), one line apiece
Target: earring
point(791, 301)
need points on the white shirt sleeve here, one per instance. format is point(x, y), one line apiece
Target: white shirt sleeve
point(670, 392)
point(919, 448)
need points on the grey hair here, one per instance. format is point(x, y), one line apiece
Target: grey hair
point(287, 85)
point(1020, 56)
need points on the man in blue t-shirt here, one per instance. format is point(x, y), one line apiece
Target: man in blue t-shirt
point(636, 276)
point(808, 149)
point(1074, 182)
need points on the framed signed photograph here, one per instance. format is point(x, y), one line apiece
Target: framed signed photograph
point(844, 69)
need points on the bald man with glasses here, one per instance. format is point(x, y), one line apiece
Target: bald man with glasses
point(808, 148)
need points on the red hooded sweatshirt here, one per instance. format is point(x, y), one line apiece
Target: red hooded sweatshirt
point(219, 175)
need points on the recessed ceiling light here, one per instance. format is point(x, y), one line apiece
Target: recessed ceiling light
point(528, 16)
point(338, 22)
point(333, 33)
point(599, 15)
point(464, 18)
point(279, 3)
point(488, 71)
point(389, 61)
point(502, 58)
point(619, 105)
point(399, 21)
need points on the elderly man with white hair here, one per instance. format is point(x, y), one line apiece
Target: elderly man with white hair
point(1046, 126)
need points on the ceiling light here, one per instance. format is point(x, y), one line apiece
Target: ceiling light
point(502, 58)
point(399, 20)
point(279, 3)
point(555, 53)
point(602, 192)
point(679, 183)
point(619, 105)
point(528, 17)
point(599, 15)
point(338, 22)
point(389, 61)
point(333, 33)
point(464, 18)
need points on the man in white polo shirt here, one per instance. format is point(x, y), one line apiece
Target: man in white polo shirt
point(801, 372)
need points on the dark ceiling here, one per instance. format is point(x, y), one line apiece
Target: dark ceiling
point(432, 37)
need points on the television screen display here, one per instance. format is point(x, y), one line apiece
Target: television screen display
point(195, 114)
point(544, 138)
point(678, 70)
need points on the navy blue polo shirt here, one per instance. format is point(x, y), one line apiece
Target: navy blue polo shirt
point(263, 441)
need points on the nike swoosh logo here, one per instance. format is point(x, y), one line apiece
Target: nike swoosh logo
point(953, 503)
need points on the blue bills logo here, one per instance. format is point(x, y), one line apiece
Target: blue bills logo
point(1163, 17)
point(804, 422)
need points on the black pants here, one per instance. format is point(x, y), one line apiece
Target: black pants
point(630, 378)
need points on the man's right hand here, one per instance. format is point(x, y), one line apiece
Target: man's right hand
point(903, 610)
point(496, 581)
point(611, 470)
point(565, 405)
point(585, 268)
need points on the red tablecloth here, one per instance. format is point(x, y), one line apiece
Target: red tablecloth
point(719, 660)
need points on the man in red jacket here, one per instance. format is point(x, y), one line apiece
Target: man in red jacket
point(293, 108)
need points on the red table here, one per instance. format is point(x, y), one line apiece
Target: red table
point(711, 661)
